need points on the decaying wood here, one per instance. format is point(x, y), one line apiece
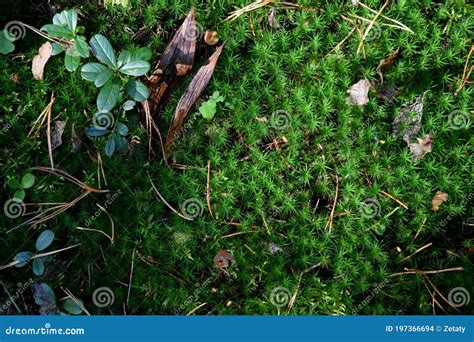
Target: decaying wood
point(176, 61)
point(193, 92)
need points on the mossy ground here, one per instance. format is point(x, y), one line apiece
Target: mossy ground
point(282, 196)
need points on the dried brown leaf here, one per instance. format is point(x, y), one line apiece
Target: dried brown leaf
point(408, 123)
point(421, 148)
point(40, 60)
point(359, 93)
point(438, 199)
point(56, 136)
point(386, 63)
point(176, 61)
point(189, 98)
point(272, 20)
point(222, 258)
point(211, 38)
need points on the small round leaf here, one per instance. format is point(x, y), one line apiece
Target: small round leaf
point(38, 267)
point(44, 240)
point(28, 181)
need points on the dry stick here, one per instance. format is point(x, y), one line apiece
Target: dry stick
point(166, 203)
point(417, 251)
point(131, 276)
point(464, 79)
point(75, 300)
point(195, 309)
point(36, 256)
point(441, 294)
point(331, 217)
point(48, 134)
point(387, 18)
point(421, 227)
point(381, 24)
point(358, 31)
point(393, 198)
point(414, 271)
point(371, 25)
point(208, 188)
point(97, 231)
point(337, 46)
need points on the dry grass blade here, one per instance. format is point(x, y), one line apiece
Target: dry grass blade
point(193, 92)
point(331, 217)
point(41, 118)
point(414, 271)
point(175, 62)
point(399, 24)
point(262, 3)
point(68, 177)
point(371, 24)
point(75, 300)
point(208, 188)
point(417, 251)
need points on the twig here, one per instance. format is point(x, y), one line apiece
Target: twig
point(417, 251)
point(208, 188)
point(393, 198)
point(331, 217)
point(195, 309)
point(421, 227)
point(131, 276)
point(414, 271)
point(465, 78)
point(75, 300)
point(371, 25)
point(48, 133)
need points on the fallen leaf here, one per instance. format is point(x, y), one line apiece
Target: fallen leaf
point(189, 98)
point(176, 61)
point(438, 199)
point(273, 248)
point(358, 93)
point(211, 38)
point(272, 20)
point(56, 136)
point(387, 92)
point(222, 258)
point(40, 60)
point(408, 123)
point(421, 148)
point(385, 63)
point(15, 78)
point(75, 140)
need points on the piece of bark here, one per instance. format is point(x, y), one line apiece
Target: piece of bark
point(56, 136)
point(189, 98)
point(408, 123)
point(176, 61)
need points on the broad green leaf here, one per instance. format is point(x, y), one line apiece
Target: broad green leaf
point(70, 306)
point(93, 131)
point(57, 49)
point(22, 258)
point(19, 195)
point(72, 62)
point(109, 95)
point(38, 267)
point(44, 240)
point(122, 129)
point(102, 49)
point(129, 105)
point(71, 17)
point(6, 46)
point(14, 183)
point(44, 295)
point(110, 147)
point(143, 53)
point(136, 90)
point(81, 46)
point(124, 58)
point(60, 19)
point(58, 31)
point(97, 73)
point(27, 181)
point(120, 142)
point(135, 68)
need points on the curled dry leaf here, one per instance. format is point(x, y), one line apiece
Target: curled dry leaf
point(176, 61)
point(211, 38)
point(386, 63)
point(359, 93)
point(40, 60)
point(421, 148)
point(272, 20)
point(222, 258)
point(189, 98)
point(75, 140)
point(56, 136)
point(438, 199)
point(408, 123)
